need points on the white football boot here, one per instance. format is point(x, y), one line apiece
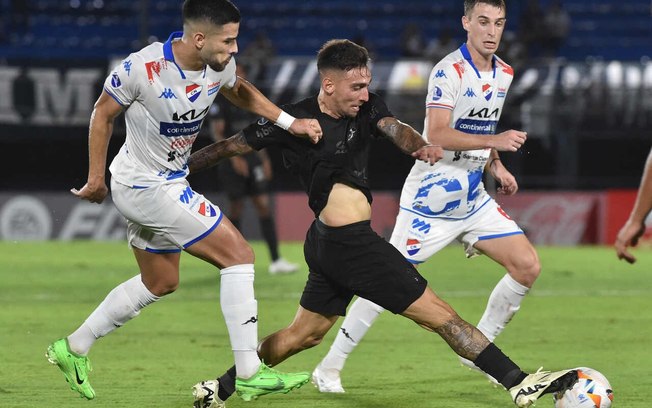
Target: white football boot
point(535, 385)
point(327, 380)
point(281, 267)
point(205, 394)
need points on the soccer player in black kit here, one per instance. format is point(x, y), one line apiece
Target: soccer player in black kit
point(344, 255)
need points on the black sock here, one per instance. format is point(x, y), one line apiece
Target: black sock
point(227, 384)
point(495, 363)
point(268, 229)
point(235, 222)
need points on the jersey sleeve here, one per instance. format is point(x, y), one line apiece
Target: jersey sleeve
point(443, 86)
point(229, 73)
point(263, 133)
point(378, 110)
point(123, 81)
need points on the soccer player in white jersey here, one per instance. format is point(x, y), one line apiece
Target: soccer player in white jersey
point(166, 91)
point(447, 202)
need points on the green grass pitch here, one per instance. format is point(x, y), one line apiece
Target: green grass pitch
point(587, 309)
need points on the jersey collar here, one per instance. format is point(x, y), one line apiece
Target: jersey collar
point(467, 56)
point(169, 55)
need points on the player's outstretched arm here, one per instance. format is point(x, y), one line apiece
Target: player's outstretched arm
point(246, 96)
point(210, 155)
point(409, 140)
point(105, 111)
point(635, 226)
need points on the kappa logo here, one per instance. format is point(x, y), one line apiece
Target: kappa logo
point(440, 74)
point(351, 134)
point(167, 94)
point(346, 334)
point(126, 64)
point(253, 319)
point(193, 91)
point(469, 92)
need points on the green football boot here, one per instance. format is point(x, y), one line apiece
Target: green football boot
point(74, 367)
point(269, 381)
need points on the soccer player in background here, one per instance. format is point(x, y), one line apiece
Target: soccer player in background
point(248, 175)
point(166, 91)
point(634, 228)
point(344, 255)
point(447, 202)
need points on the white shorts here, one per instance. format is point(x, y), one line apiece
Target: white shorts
point(418, 238)
point(165, 218)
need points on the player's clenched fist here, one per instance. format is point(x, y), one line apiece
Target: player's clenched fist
point(309, 128)
point(509, 141)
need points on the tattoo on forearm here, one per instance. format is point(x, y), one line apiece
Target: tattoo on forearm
point(402, 135)
point(466, 340)
point(212, 154)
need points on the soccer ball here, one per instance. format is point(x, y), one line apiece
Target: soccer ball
point(592, 390)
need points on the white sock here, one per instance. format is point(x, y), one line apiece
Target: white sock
point(122, 304)
point(504, 302)
point(359, 318)
point(240, 311)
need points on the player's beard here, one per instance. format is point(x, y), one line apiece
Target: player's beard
point(217, 66)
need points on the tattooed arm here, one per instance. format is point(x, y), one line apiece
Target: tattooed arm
point(409, 140)
point(212, 154)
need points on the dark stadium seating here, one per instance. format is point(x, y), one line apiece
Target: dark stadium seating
point(611, 29)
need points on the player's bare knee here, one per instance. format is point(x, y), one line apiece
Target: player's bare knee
point(164, 287)
point(526, 270)
point(242, 254)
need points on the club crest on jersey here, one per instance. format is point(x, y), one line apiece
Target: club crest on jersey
point(412, 246)
point(206, 210)
point(487, 91)
point(193, 91)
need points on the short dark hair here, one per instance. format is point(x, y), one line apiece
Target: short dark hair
point(217, 12)
point(343, 55)
point(469, 4)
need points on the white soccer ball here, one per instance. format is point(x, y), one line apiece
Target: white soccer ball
point(592, 390)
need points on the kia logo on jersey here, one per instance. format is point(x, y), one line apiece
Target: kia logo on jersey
point(193, 91)
point(487, 91)
point(412, 246)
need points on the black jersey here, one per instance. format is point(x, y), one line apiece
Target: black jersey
point(341, 156)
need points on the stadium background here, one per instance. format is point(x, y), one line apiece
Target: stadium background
point(587, 104)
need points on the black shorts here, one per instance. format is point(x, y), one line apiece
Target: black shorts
point(236, 186)
point(354, 260)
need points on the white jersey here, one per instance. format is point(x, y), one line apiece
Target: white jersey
point(165, 110)
point(453, 188)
